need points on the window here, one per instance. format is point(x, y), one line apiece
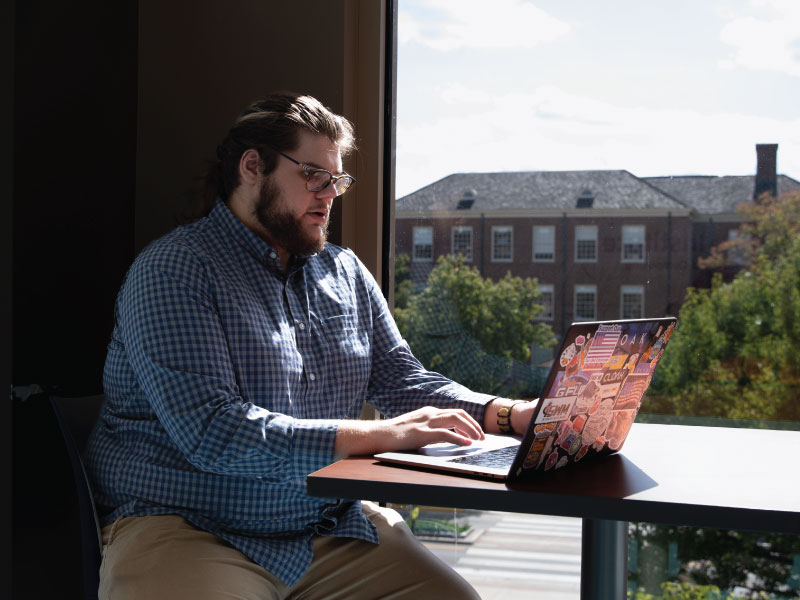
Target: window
point(547, 300)
point(736, 255)
point(502, 240)
point(632, 301)
point(586, 243)
point(423, 244)
point(462, 242)
point(633, 243)
point(544, 243)
point(585, 302)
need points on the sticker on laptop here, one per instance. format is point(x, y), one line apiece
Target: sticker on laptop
point(555, 409)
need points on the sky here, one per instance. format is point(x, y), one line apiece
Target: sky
point(678, 87)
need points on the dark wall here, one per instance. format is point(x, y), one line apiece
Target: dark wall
point(115, 107)
point(74, 172)
point(74, 177)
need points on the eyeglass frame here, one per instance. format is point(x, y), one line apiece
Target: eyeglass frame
point(309, 171)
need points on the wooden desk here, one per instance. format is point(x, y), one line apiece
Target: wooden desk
point(699, 476)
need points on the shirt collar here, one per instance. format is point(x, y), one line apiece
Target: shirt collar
point(222, 216)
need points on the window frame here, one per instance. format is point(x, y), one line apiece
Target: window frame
point(543, 289)
point(502, 229)
point(414, 245)
point(627, 289)
point(552, 229)
point(641, 259)
point(584, 288)
point(578, 239)
point(460, 229)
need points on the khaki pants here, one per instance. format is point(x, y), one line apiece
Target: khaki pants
point(164, 557)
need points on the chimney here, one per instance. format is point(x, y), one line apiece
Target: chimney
point(766, 170)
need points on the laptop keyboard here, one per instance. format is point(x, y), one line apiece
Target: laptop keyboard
point(502, 457)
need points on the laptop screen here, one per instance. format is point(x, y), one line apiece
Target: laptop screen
point(593, 392)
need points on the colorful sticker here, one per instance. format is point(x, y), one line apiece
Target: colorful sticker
point(582, 452)
point(551, 460)
point(544, 429)
point(555, 409)
point(597, 423)
point(567, 355)
point(578, 422)
point(575, 445)
point(620, 426)
point(617, 361)
point(535, 453)
point(562, 462)
point(602, 347)
point(631, 392)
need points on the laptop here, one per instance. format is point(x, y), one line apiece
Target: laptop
point(587, 407)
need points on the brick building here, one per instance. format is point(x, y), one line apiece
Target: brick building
point(602, 244)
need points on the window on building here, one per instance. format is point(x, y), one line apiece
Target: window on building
point(544, 243)
point(462, 242)
point(736, 255)
point(547, 300)
point(632, 302)
point(502, 243)
point(586, 243)
point(585, 302)
point(633, 243)
point(423, 244)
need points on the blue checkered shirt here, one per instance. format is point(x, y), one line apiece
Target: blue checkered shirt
point(225, 379)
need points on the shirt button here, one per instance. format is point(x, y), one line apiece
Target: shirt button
point(301, 325)
point(273, 254)
point(312, 377)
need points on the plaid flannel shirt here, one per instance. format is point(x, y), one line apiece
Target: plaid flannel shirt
point(225, 379)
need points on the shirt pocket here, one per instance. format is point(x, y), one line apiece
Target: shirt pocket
point(348, 358)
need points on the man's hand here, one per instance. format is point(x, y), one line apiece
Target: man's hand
point(408, 431)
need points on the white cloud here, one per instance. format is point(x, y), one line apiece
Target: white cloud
point(550, 129)
point(481, 24)
point(765, 43)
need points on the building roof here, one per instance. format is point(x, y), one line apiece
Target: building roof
point(539, 190)
point(710, 195)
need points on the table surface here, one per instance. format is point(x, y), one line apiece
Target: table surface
point(683, 475)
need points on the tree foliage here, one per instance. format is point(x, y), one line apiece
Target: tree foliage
point(759, 565)
point(736, 352)
point(476, 331)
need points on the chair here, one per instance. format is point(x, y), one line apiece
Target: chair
point(76, 417)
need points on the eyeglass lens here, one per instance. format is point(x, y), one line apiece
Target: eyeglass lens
point(319, 180)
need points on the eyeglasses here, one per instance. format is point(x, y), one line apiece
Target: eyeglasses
point(318, 179)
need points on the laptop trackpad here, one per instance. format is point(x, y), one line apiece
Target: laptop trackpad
point(491, 442)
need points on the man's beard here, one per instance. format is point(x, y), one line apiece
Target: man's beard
point(284, 229)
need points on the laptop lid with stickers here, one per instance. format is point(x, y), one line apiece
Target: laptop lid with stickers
point(593, 393)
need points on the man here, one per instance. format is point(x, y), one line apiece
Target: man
point(243, 349)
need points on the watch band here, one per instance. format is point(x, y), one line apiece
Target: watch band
point(504, 417)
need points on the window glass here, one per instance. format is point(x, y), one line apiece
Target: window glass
point(632, 302)
point(544, 243)
point(502, 244)
point(462, 242)
point(423, 244)
point(546, 300)
point(633, 243)
point(585, 243)
point(585, 302)
point(615, 168)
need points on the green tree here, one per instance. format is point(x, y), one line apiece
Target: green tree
point(760, 565)
point(403, 286)
point(477, 331)
point(736, 352)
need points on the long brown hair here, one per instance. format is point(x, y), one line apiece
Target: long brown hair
point(268, 125)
